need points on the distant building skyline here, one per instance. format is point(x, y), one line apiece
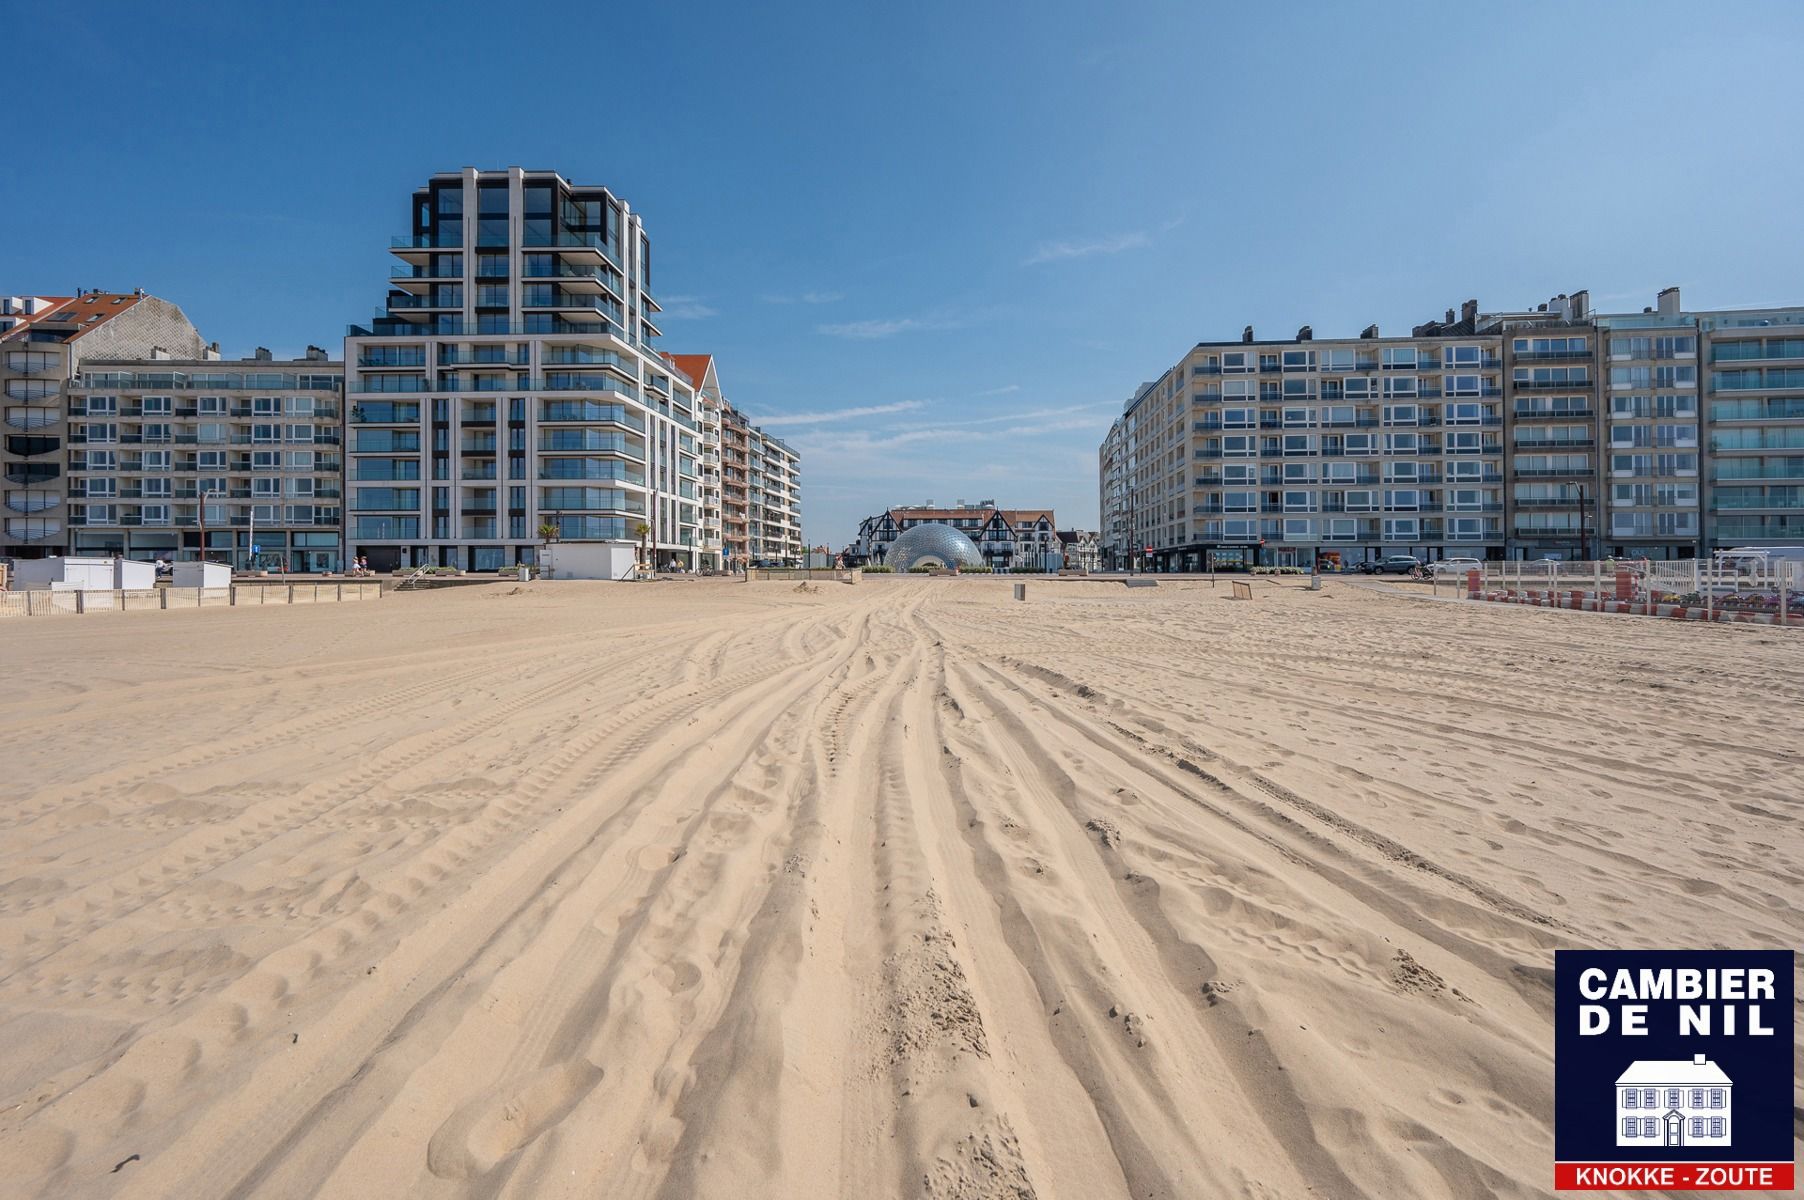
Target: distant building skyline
point(1183, 172)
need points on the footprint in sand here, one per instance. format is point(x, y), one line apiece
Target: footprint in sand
point(478, 1136)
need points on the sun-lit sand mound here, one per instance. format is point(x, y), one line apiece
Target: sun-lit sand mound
point(711, 889)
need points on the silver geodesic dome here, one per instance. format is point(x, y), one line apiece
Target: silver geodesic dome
point(932, 545)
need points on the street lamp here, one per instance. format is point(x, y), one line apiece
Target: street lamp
point(205, 496)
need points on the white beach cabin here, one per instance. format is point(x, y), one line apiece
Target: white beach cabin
point(1672, 1102)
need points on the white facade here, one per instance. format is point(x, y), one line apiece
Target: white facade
point(510, 382)
point(1662, 1102)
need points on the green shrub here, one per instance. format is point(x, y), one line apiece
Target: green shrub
point(879, 570)
point(977, 570)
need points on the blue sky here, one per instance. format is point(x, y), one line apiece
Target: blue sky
point(933, 245)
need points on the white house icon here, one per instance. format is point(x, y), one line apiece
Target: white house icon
point(1671, 1102)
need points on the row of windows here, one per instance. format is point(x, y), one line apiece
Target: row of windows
point(206, 460)
point(1348, 529)
point(270, 406)
point(1649, 1127)
point(1346, 472)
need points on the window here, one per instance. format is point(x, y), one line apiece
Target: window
point(1357, 387)
point(1650, 1099)
point(152, 488)
point(1698, 1126)
point(1461, 356)
point(1235, 361)
point(1650, 1127)
point(1299, 360)
point(1239, 418)
point(1718, 1127)
point(1299, 502)
point(1296, 530)
point(158, 406)
point(1299, 389)
point(1461, 385)
point(1716, 1097)
point(1405, 500)
point(1299, 472)
point(267, 485)
point(1401, 385)
point(154, 514)
point(1400, 356)
point(1399, 414)
point(1629, 1125)
point(1335, 360)
point(1697, 1097)
point(1672, 1097)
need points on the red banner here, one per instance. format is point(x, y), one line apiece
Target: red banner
point(1673, 1176)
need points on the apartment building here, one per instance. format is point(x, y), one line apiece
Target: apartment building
point(44, 343)
point(699, 369)
point(1282, 452)
point(1555, 500)
point(1754, 400)
point(1008, 538)
point(761, 494)
point(1115, 548)
point(1652, 444)
point(1660, 434)
point(774, 499)
point(510, 382)
point(242, 457)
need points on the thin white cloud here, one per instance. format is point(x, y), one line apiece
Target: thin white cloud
point(685, 308)
point(804, 298)
point(1036, 414)
point(1059, 251)
point(886, 327)
point(1004, 390)
point(837, 414)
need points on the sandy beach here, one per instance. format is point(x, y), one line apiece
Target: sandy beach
point(701, 888)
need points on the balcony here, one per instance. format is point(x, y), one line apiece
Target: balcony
point(32, 502)
point(33, 529)
point(1580, 414)
point(1549, 385)
point(32, 418)
point(1548, 356)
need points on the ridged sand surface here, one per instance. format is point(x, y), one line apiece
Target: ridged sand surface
point(710, 889)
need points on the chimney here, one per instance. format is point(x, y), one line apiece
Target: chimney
point(1469, 311)
point(1449, 320)
point(1369, 332)
point(263, 354)
point(315, 354)
point(1581, 305)
point(1697, 1060)
point(1305, 334)
point(1668, 302)
point(1246, 335)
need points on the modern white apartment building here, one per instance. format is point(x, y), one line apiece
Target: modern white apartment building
point(1279, 453)
point(242, 456)
point(510, 382)
point(44, 343)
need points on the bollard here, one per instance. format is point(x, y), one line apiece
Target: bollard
point(341, 592)
point(200, 596)
point(163, 598)
point(1020, 591)
point(291, 593)
point(81, 601)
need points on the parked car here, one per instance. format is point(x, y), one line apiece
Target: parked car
point(1392, 564)
point(1456, 566)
